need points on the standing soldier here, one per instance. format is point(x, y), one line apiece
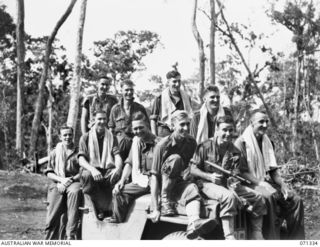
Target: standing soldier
point(121, 118)
point(64, 194)
point(203, 123)
point(170, 100)
point(101, 101)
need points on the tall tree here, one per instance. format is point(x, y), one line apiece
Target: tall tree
point(122, 55)
point(212, 42)
point(299, 17)
point(40, 98)
point(202, 58)
point(76, 81)
point(20, 74)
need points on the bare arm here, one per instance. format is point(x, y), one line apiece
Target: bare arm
point(118, 161)
point(278, 180)
point(195, 171)
point(154, 188)
point(84, 120)
point(94, 172)
point(153, 127)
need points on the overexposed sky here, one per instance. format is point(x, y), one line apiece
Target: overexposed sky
point(171, 19)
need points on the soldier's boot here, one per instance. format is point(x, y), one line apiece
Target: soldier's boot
point(256, 228)
point(167, 205)
point(228, 227)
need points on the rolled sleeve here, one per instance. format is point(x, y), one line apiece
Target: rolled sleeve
point(83, 147)
point(112, 123)
point(197, 159)
point(51, 163)
point(115, 147)
point(155, 111)
point(157, 160)
point(129, 158)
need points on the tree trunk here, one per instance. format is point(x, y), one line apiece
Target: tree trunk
point(212, 42)
point(199, 40)
point(306, 100)
point(76, 81)
point(39, 103)
point(49, 132)
point(20, 75)
point(296, 103)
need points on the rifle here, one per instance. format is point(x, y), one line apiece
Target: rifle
point(228, 173)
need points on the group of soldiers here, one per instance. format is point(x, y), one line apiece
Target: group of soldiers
point(169, 154)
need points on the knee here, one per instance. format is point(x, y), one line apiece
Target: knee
point(229, 197)
point(173, 166)
point(192, 189)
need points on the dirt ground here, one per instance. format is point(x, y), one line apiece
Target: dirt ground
point(23, 209)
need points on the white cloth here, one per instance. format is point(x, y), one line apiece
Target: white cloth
point(168, 107)
point(60, 160)
point(203, 129)
point(94, 154)
point(137, 176)
point(259, 162)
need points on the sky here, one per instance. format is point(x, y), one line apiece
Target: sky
point(171, 19)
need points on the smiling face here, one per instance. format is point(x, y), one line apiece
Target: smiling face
point(100, 122)
point(212, 100)
point(181, 127)
point(224, 133)
point(174, 84)
point(103, 87)
point(139, 128)
point(127, 92)
point(259, 122)
point(66, 137)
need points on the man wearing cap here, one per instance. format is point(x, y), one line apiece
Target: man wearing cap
point(101, 162)
point(216, 185)
point(169, 169)
point(64, 194)
point(100, 101)
point(202, 126)
point(258, 151)
point(138, 166)
point(121, 117)
point(170, 100)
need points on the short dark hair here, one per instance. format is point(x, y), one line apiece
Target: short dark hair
point(107, 78)
point(65, 127)
point(95, 113)
point(172, 74)
point(211, 88)
point(225, 119)
point(127, 83)
point(255, 111)
point(139, 116)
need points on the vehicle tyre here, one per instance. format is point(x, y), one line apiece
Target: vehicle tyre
point(180, 235)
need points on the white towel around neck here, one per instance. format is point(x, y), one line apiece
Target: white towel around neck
point(203, 128)
point(259, 162)
point(137, 176)
point(94, 153)
point(168, 107)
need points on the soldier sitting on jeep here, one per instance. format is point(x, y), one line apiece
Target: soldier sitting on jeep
point(171, 158)
point(220, 152)
point(138, 165)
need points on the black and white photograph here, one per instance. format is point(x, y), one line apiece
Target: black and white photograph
point(159, 120)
